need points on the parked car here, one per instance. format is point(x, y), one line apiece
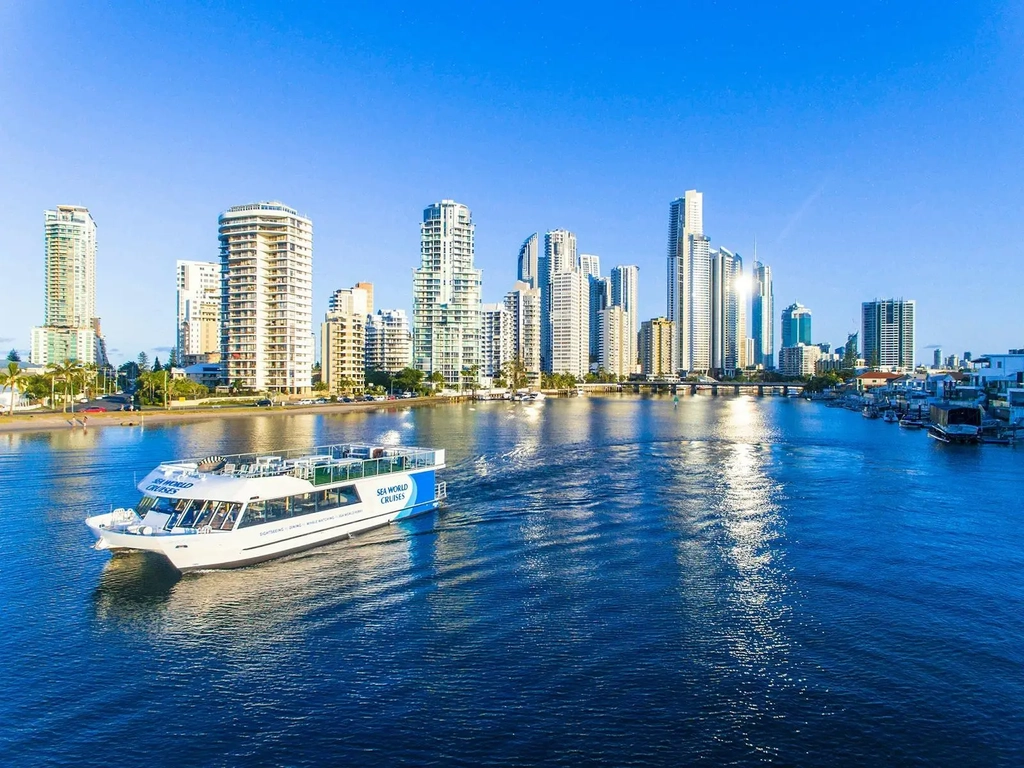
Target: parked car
point(264, 403)
point(94, 409)
point(367, 398)
point(321, 401)
point(406, 395)
point(346, 399)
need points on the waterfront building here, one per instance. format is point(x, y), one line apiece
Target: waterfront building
point(70, 329)
point(888, 326)
point(728, 313)
point(199, 303)
point(523, 304)
point(600, 298)
point(388, 340)
point(446, 295)
point(570, 323)
point(762, 317)
point(615, 347)
point(829, 361)
point(686, 221)
point(529, 263)
point(559, 257)
point(796, 325)
point(498, 339)
point(266, 266)
point(698, 316)
point(657, 348)
point(590, 264)
point(625, 282)
point(343, 341)
point(799, 360)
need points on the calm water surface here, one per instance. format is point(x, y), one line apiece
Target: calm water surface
point(615, 581)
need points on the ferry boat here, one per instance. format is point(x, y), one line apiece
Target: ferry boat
point(231, 511)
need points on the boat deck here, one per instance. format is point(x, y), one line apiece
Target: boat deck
point(321, 465)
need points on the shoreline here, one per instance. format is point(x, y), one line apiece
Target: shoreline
point(48, 422)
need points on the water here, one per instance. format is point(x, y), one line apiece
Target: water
point(615, 581)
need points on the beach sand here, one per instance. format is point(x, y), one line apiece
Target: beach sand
point(23, 422)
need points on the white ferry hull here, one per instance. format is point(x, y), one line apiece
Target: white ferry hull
point(384, 499)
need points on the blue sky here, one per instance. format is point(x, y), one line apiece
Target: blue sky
point(873, 149)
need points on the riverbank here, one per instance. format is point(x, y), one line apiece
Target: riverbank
point(40, 422)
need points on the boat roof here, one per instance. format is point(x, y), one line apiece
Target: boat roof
point(245, 476)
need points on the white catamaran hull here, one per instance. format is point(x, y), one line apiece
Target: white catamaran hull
point(383, 499)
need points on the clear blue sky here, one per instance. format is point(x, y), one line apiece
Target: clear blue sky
point(874, 149)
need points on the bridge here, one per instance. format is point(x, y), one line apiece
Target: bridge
point(785, 389)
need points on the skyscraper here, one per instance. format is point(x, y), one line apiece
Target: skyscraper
point(266, 263)
point(590, 264)
point(570, 323)
point(198, 336)
point(686, 220)
point(625, 281)
point(388, 341)
point(888, 326)
point(529, 261)
point(343, 339)
point(697, 319)
point(600, 298)
point(796, 325)
point(498, 339)
point(615, 350)
point(70, 329)
point(446, 295)
point(763, 317)
point(523, 304)
point(559, 257)
point(657, 348)
point(728, 313)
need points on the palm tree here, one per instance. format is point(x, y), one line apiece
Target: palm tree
point(13, 378)
point(64, 373)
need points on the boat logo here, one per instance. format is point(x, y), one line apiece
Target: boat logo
point(168, 486)
point(392, 493)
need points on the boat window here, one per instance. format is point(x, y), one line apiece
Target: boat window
point(275, 510)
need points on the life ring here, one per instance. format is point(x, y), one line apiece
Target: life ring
point(206, 529)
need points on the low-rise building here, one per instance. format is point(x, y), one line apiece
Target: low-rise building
point(798, 360)
point(872, 379)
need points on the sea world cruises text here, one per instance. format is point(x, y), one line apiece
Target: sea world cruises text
point(168, 486)
point(392, 493)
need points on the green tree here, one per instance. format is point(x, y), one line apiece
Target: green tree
point(514, 372)
point(436, 379)
point(143, 362)
point(320, 386)
point(13, 356)
point(14, 378)
point(408, 380)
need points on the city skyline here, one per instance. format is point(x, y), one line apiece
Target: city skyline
point(811, 145)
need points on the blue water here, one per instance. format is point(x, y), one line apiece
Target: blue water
point(615, 581)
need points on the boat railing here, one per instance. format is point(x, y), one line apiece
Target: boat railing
point(321, 466)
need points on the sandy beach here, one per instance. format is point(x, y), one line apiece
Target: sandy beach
point(24, 422)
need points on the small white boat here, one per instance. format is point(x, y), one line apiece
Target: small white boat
point(230, 511)
point(890, 417)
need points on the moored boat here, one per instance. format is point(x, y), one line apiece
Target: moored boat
point(955, 422)
point(230, 511)
point(890, 417)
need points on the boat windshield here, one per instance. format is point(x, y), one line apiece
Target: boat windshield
point(192, 513)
